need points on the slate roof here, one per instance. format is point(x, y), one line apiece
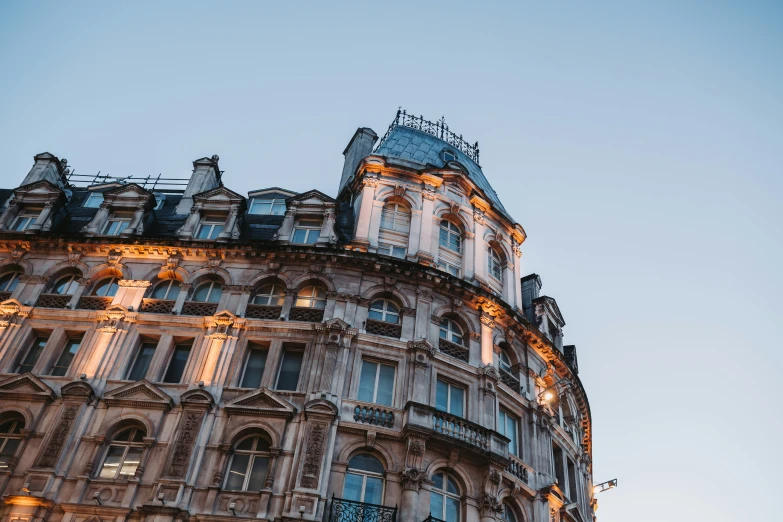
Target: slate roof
point(420, 147)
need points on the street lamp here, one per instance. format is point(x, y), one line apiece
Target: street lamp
point(605, 486)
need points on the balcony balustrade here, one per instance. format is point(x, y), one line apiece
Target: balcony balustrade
point(157, 306)
point(94, 302)
point(373, 415)
point(53, 301)
point(509, 380)
point(344, 510)
point(453, 350)
point(310, 315)
point(383, 328)
point(255, 311)
point(198, 308)
point(517, 468)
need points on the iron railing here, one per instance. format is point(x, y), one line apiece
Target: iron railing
point(439, 129)
point(383, 328)
point(376, 416)
point(509, 380)
point(94, 302)
point(53, 301)
point(453, 350)
point(344, 510)
point(199, 308)
point(157, 306)
point(255, 311)
point(151, 183)
point(460, 429)
point(311, 315)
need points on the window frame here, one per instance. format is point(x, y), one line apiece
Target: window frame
point(212, 284)
point(253, 347)
point(286, 350)
point(71, 286)
point(395, 216)
point(514, 420)
point(376, 382)
point(312, 298)
point(452, 230)
point(180, 346)
point(13, 280)
point(494, 262)
point(170, 283)
point(14, 433)
point(211, 221)
point(308, 230)
point(130, 443)
point(132, 367)
point(116, 218)
point(448, 329)
point(445, 494)
point(37, 340)
point(77, 339)
point(384, 310)
point(365, 474)
point(391, 249)
point(112, 280)
point(275, 201)
point(93, 195)
point(451, 386)
point(279, 297)
point(24, 214)
point(253, 455)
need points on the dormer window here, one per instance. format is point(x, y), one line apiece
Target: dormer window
point(268, 205)
point(210, 227)
point(25, 218)
point(307, 231)
point(449, 156)
point(94, 200)
point(117, 222)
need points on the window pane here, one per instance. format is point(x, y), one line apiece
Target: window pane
point(254, 368)
point(312, 236)
point(452, 509)
point(202, 292)
point(258, 474)
point(131, 462)
point(442, 396)
point(511, 433)
point(278, 209)
point(62, 364)
point(204, 231)
point(177, 364)
point(367, 381)
point(299, 235)
point(112, 462)
point(385, 385)
point(236, 475)
point(373, 490)
point(10, 447)
point(216, 230)
point(32, 356)
point(353, 487)
point(142, 363)
point(436, 505)
point(289, 370)
point(457, 405)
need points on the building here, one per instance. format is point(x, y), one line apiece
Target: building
point(176, 351)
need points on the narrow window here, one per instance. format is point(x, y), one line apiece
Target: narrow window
point(376, 383)
point(449, 156)
point(364, 480)
point(142, 363)
point(60, 368)
point(395, 217)
point(451, 268)
point(444, 498)
point(451, 331)
point(9, 280)
point(249, 465)
point(124, 454)
point(450, 398)
point(94, 200)
point(167, 289)
point(255, 362)
point(179, 360)
point(306, 231)
point(211, 227)
point(290, 367)
point(23, 221)
point(508, 514)
point(450, 236)
point(494, 262)
point(572, 481)
point(557, 457)
point(10, 437)
point(28, 363)
point(508, 426)
point(118, 222)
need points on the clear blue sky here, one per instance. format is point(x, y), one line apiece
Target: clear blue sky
point(640, 144)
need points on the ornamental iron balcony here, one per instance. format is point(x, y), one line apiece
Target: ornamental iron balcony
point(255, 311)
point(458, 428)
point(344, 510)
point(199, 308)
point(453, 350)
point(383, 328)
point(517, 468)
point(94, 302)
point(157, 306)
point(439, 129)
point(53, 301)
point(375, 416)
point(509, 380)
point(310, 315)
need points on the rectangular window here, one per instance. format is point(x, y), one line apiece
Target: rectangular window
point(391, 250)
point(450, 398)
point(268, 204)
point(508, 426)
point(255, 362)
point(94, 200)
point(557, 457)
point(376, 383)
point(32, 355)
point(24, 220)
point(572, 481)
point(290, 367)
point(211, 227)
point(448, 267)
point(60, 368)
point(142, 363)
point(177, 364)
point(117, 223)
point(306, 231)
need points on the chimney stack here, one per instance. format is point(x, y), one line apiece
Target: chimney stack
point(47, 167)
point(358, 148)
point(206, 176)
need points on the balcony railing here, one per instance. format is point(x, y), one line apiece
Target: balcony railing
point(198, 308)
point(458, 428)
point(94, 302)
point(376, 416)
point(453, 350)
point(509, 380)
point(344, 510)
point(157, 306)
point(53, 301)
point(383, 328)
point(255, 311)
point(4, 296)
point(517, 468)
point(310, 315)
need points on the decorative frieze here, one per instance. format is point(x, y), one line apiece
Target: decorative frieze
point(311, 469)
point(191, 425)
point(59, 435)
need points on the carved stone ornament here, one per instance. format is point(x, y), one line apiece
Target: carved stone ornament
point(191, 425)
point(489, 505)
point(417, 448)
point(412, 479)
point(478, 217)
point(313, 454)
point(453, 458)
point(34, 279)
point(113, 258)
point(172, 261)
point(399, 190)
point(133, 283)
point(370, 181)
point(214, 262)
point(371, 434)
point(17, 254)
point(487, 320)
point(454, 207)
point(424, 294)
point(428, 194)
point(517, 250)
point(54, 447)
point(74, 257)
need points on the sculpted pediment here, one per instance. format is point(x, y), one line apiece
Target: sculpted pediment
point(38, 188)
point(132, 190)
point(78, 390)
point(142, 394)
point(261, 402)
point(219, 195)
point(312, 197)
point(197, 398)
point(26, 387)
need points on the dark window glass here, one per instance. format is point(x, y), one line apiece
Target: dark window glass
point(254, 368)
point(142, 362)
point(289, 370)
point(32, 355)
point(177, 365)
point(60, 368)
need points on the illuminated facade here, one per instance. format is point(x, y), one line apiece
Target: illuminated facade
point(195, 354)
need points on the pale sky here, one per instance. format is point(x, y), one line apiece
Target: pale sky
point(639, 144)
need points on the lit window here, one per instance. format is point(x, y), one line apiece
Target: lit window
point(311, 297)
point(10, 437)
point(66, 285)
point(167, 289)
point(106, 287)
point(60, 368)
point(448, 267)
point(306, 231)
point(211, 227)
point(179, 359)
point(395, 217)
point(249, 465)
point(364, 480)
point(376, 383)
point(508, 426)
point(33, 354)
point(208, 292)
point(124, 454)
point(268, 204)
point(24, 220)
point(254, 368)
point(391, 250)
point(451, 331)
point(94, 200)
point(143, 359)
point(9, 280)
point(450, 236)
point(385, 310)
point(444, 498)
point(450, 398)
point(290, 366)
point(494, 264)
point(270, 295)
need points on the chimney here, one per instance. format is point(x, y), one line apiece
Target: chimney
point(206, 176)
point(569, 351)
point(531, 286)
point(47, 167)
point(358, 148)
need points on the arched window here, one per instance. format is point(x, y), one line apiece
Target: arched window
point(396, 217)
point(9, 280)
point(11, 427)
point(385, 310)
point(208, 292)
point(450, 236)
point(168, 289)
point(249, 464)
point(311, 297)
point(508, 514)
point(451, 331)
point(444, 498)
point(124, 454)
point(106, 287)
point(364, 479)
point(66, 285)
point(502, 360)
point(272, 294)
point(494, 264)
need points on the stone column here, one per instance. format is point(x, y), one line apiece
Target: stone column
point(42, 221)
point(415, 233)
point(468, 248)
point(375, 222)
point(136, 222)
point(426, 251)
point(412, 478)
point(487, 348)
point(287, 228)
point(423, 302)
point(230, 224)
point(83, 284)
point(327, 228)
point(479, 247)
point(101, 217)
point(517, 274)
point(184, 292)
point(509, 295)
point(187, 231)
point(10, 214)
point(130, 293)
point(365, 210)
